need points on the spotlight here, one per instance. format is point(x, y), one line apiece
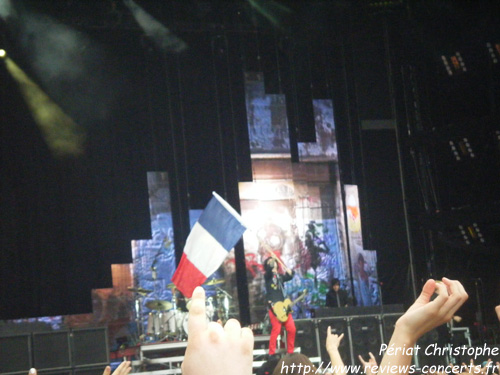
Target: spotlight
point(454, 64)
point(3, 53)
point(461, 148)
point(161, 35)
point(63, 136)
point(471, 233)
point(454, 150)
point(493, 51)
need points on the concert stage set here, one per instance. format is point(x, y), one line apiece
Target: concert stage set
point(359, 143)
point(85, 351)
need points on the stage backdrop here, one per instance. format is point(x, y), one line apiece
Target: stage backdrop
point(294, 209)
point(364, 262)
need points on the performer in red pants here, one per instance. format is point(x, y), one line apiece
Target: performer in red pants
point(275, 295)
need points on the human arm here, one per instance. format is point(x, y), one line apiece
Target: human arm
point(423, 316)
point(288, 271)
point(332, 347)
point(288, 276)
point(215, 349)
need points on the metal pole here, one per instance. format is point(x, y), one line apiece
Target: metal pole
point(400, 163)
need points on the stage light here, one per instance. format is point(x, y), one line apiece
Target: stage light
point(471, 233)
point(454, 64)
point(466, 148)
point(454, 151)
point(3, 53)
point(157, 32)
point(6, 9)
point(461, 149)
point(62, 135)
point(446, 65)
point(272, 10)
point(493, 51)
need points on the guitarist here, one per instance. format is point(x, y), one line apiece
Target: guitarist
point(275, 293)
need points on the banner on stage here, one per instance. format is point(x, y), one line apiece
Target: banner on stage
point(364, 262)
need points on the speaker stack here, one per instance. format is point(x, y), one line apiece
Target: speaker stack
point(366, 336)
point(15, 354)
point(63, 352)
point(307, 335)
point(362, 334)
point(337, 326)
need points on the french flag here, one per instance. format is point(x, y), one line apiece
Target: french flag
point(215, 233)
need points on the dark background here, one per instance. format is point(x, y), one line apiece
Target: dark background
point(64, 221)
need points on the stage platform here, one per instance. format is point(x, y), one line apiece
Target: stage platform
point(85, 351)
point(364, 329)
point(156, 355)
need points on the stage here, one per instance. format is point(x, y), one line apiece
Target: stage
point(86, 351)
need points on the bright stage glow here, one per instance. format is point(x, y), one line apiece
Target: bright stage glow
point(62, 135)
point(3, 53)
point(159, 34)
point(271, 10)
point(6, 10)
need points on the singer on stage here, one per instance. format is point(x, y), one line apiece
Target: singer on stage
point(275, 293)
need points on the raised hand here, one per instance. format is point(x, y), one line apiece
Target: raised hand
point(368, 365)
point(425, 315)
point(214, 349)
point(123, 369)
point(332, 347)
point(332, 340)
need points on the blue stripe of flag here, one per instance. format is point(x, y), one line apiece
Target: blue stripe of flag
point(221, 224)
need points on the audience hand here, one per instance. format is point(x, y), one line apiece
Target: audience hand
point(215, 349)
point(332, 340)
point(368, 366)
point(332, 347)
point(123, 369)
point(425, 315)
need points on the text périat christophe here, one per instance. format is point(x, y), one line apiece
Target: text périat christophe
point(435, 349)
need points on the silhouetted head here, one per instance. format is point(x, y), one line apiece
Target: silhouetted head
point(270, 264)
point(335, 285)
point(284, 366)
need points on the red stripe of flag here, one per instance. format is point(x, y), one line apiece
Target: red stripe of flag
point(187, 277)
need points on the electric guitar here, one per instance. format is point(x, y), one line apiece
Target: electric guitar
point(282, 308)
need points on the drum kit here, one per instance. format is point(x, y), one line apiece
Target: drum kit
point(168, 320)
